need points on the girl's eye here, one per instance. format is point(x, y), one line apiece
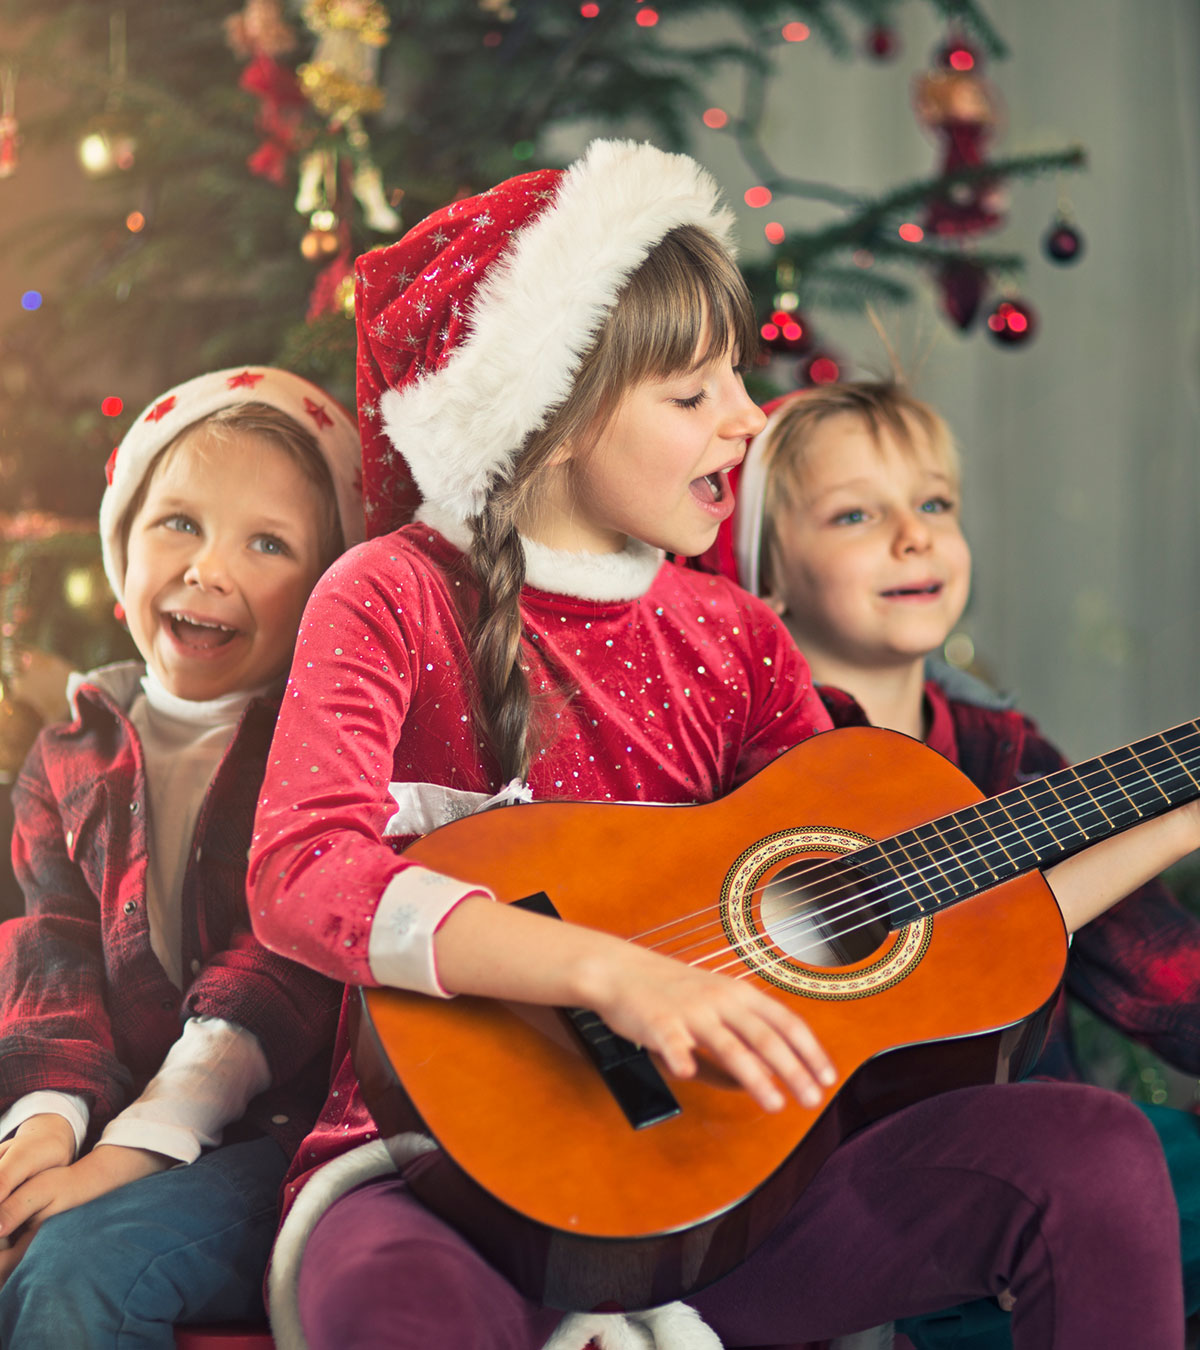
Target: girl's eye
point(272, 544)
point(937, 506)
point(855, 516)
point(693, 402)
point(184, 524)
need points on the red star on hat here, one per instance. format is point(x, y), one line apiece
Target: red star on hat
point(246, 380)
point(317, 412)
point(160, 410)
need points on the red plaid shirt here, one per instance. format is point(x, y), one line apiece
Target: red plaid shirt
point(1138, 965)
point(85, 1005)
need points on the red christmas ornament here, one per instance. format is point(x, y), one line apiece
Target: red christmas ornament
point(1012, 322)
point(819, 368)
point(961, 111)
point(786, 331)
point(962, 284)
point(883, 42)
point(957, 54)
point(1062, 242)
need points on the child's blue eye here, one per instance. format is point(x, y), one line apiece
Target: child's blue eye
point(855, 516)
point(184, 524)
point(937, 506)
point(269, 543)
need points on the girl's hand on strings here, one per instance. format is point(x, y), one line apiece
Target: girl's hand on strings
point(682, 1013)
point(679, 1012)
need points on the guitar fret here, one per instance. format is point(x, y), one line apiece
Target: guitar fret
point(1152, 783)
point(1018, 801)
point(1040, 823)
point(933, 857)
point(968, 859)
point(1182, 765)
point(909, 877)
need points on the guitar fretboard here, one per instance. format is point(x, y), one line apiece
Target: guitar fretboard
point(1035, 826)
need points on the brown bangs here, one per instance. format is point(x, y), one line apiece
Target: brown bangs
point(685, 305)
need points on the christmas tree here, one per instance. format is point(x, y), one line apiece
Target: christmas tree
point(226, 165)
point(237, 161)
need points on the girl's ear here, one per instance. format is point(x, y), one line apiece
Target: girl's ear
point(562, 454)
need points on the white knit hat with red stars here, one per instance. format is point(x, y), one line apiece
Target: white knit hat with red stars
point(330, 425)
point(472, 327)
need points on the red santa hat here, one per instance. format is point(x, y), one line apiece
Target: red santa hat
point(472, 327)
point(331, 426)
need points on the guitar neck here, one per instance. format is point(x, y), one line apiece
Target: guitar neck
point(1035, 826)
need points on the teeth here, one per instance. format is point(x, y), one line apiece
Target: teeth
point(200, 623)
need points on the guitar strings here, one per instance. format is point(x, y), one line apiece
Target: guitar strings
point(833, 931)
point(838, 864)
point(814, 874)
point(995, 836)
point(830, 870)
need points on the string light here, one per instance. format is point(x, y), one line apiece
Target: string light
point(716, 118)
point(757, 196)
point(774, 232)
point(647, 18)
point(911, 233)
point(112, 406)
point(31, 300)
point(795, 32)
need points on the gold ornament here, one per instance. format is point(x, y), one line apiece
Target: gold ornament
point(322, 240)
point(343, 297)
point(108, 142)
point(367, 20)
point(338, 93)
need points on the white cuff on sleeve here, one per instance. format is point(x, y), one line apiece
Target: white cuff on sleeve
point(400, 949)
point(74, 1110)
point(207, 1080)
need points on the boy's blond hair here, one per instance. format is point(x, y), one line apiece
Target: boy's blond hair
point(880, 405)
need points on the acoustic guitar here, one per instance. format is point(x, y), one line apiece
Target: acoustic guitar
point(834, 879)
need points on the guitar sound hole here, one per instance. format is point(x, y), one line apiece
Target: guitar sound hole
point(832, 928)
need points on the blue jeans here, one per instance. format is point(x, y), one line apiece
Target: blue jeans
point(186, 1245)
point(983, 1326)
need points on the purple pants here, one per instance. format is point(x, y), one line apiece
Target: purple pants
point(1054, 1192)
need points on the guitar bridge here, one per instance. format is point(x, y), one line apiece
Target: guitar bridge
point(626, 1069)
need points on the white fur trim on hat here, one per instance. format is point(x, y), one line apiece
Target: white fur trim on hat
point(751, 499)
point(157, 425)
point(536, 313)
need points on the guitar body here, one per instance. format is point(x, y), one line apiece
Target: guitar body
point(540, 1168)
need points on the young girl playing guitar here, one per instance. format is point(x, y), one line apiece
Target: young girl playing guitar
point(556, 362)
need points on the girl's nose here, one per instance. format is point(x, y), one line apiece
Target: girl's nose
point(744, 418)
